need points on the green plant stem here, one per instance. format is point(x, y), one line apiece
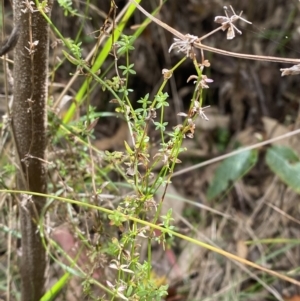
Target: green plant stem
point(100, 59)
point(163, 230)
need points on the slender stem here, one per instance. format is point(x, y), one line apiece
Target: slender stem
point(216, 50)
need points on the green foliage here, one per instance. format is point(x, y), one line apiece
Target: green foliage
point(88, 175)
point(223, 137)
point(230, 170)
point(285, 163)
point(116, 219)
point(67, 7)
point(161, 100)
point(101, 58)
point(125, 44)
point(127, 69)
point(76, 52)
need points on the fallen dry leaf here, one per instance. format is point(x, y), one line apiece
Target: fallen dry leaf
point(294, 298)
point(116, 142)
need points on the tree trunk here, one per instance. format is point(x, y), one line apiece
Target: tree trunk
point(29, 122)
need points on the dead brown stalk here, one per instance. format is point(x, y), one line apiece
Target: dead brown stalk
point(199, 45)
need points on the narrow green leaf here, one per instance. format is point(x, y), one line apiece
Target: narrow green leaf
point(230, 171)
point(285, 163)
point(56, 288)
point(101, 59)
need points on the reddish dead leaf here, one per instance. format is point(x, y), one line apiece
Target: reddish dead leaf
point(65, 238)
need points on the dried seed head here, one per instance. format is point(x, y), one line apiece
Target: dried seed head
point(227, 22)
point(167, 73)
point(185, 45)
point(294, 70)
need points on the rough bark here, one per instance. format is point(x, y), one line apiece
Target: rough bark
point(29, 127)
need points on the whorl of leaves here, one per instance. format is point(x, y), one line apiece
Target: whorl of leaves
point(67, 6)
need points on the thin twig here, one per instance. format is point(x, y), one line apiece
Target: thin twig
point(250, 147)
point(216, 50)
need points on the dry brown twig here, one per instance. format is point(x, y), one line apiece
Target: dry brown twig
point(185, 43)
